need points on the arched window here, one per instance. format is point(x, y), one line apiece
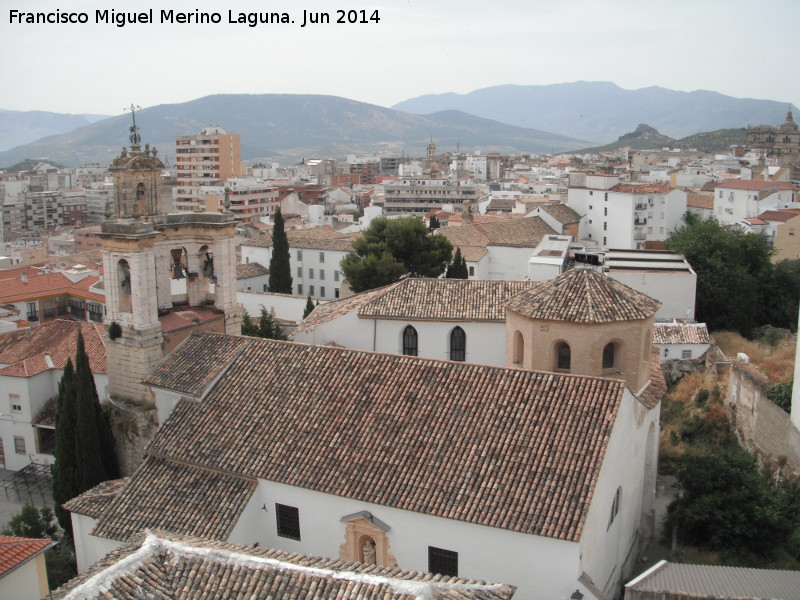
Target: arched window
point(608, 356)
point(519, 347)
point(458, 344)
point(563, 356)
point(410, 341)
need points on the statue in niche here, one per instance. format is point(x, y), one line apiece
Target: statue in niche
point(369, 552)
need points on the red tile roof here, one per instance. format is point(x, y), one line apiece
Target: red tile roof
point(47, 346)
point(584, 296)
point(746, 184)
point(178, 566)
point(13, 289)
point(499, 447)
point(779, 215)
point(14, 551)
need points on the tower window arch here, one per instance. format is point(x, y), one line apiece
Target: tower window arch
point(124, 278)
point(519, 348)
point(458, 344)
point(563, 356)
point(410, 341)
point(609, 356)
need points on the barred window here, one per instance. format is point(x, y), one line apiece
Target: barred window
point(443, 562)
point(288, 518)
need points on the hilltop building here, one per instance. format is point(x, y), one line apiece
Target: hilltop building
point(776, 141)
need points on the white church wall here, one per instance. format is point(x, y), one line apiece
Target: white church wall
point(88, 548)
point(541, 567)
point(606, 544)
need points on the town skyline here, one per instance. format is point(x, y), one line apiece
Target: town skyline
point(414, 49)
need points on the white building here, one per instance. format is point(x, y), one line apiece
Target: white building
point(422, 195)
point(31, 365)
point(739, 199)
point(683, 341)
point(624, 215)
point(314, 257)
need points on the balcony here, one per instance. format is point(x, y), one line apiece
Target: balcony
point(639, 235)
point(640, 221)
point(641, 206)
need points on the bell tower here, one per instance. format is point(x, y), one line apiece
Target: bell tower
point(137, 176)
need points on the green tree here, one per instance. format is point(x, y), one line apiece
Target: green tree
point(392, 248)
point(733, 272)
point(433, 223)
point(248, 327)
point(268, 326)
point(39, 524)
point(458, 268)
point(781, 394)
point(309, 307)
point(725, 505)
point(84, 449)
point(280, 275)
point(783, 295)
point(64, 471)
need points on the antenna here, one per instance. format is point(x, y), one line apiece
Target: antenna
point(135, 138)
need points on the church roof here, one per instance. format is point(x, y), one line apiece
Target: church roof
point(584, 296)
point(313, 238)
point(516, 233)
point(192, 568)
point(492, 446)
point(423, 299)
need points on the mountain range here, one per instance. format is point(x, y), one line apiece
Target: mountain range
point(19, 127)
point(603, 111)
point(506, 119)
point(285, 127)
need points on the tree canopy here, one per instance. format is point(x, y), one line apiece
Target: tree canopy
point(280, 274)
point(267, 326)
point(458, 268)
point(392, 248)
point(734, 273)
point(84, 448)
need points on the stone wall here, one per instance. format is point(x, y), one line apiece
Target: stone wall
point(762, 427)
point(133, 426)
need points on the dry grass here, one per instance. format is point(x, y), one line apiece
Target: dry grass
point(776, 363)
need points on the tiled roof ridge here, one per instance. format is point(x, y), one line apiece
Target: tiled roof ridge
point(199, 466)
point(170, 548)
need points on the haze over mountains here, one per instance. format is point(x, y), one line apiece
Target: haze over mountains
point(602, 111)
point(21, 127)
point(507, 119)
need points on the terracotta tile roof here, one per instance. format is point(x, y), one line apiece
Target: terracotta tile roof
point(642, 188)
point(26, 351)
point(176, 497)
point(46, 285)
point(47, 416)
point(562, 213)
point(754, 221)
point(584, 296)
point(445, 299)
point(746, 184)
point(656, 388)
point(183, 317)
point(785, 185)
point(210, 356)
point(697, 200)
point(781, 216)
point(253, 269)
point(95, 501)
point(14, 551)
point(425, 298)
point(518, 233)
point(193, 569)
point(681, 333)
point(499, 447)
point(315, 238)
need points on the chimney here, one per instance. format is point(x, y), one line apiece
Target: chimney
point(24, 277)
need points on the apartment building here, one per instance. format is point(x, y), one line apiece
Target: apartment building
point(738, 199)
point(421, 195)
point(207, 159)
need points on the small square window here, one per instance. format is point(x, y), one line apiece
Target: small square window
point(288, 518)
point(686, 354)
point(19, 444)
point(443, 562)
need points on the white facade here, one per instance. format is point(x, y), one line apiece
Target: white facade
point(746, 200)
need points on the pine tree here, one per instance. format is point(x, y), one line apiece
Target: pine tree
point(65, 478)
point(280, 275)
point(268, 327)
point(309, 307)
point(458, 268)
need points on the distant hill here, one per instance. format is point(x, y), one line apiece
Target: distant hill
point(19, 127)
point(291, 126)
point(603, 111)
point(645, 137)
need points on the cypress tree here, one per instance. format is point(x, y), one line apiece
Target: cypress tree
point(280, 275)
point(268, 327)
point(309, 307)
point(458, 268)
point(64, 471)
point(248, 327)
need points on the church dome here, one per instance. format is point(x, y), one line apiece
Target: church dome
point(584, 296)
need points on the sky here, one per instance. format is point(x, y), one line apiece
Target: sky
point(740, 48)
